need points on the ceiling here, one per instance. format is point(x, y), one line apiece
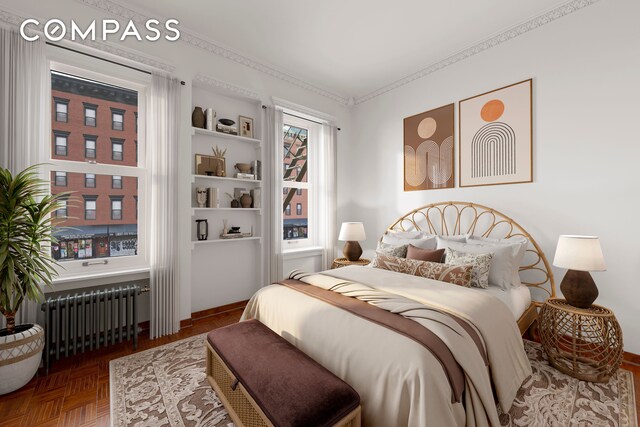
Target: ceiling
point(349, 47)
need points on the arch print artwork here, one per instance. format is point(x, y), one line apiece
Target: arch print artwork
point(428, 150)
point(496, 137)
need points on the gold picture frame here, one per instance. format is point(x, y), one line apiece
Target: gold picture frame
point(210, 165)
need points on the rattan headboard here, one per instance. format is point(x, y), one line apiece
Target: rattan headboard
point(449, 218)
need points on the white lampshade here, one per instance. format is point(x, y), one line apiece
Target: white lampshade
point(581, 253)
point(352, 231)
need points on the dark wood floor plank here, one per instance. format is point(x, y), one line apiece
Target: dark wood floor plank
point(76, 391)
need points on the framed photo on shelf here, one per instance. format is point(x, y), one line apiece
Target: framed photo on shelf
point(246, 126)
point(210, 165)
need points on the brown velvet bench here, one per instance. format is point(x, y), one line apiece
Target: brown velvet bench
point(262, 380)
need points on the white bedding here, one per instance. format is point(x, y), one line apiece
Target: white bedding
point(517, 298)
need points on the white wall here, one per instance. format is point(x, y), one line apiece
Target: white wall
point(586, 71)
point(190, 61)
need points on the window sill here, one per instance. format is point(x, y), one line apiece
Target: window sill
point(302, 252)
point(99, 279)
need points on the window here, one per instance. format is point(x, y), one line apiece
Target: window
point(117, 146)
point(116, 208)
point(117, 119)
point(296, 183)
point(90, 146)
point(90, 207)
point(61, 212)
point(103, 180)
point(61, 139)
point(90, 180)
point(61, 179)
point(62, 109)
point(90, 114)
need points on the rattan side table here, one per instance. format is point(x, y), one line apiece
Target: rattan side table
point(343, 262)
point(583, 343)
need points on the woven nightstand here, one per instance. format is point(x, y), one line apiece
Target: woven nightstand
point(583, 343)
point(343, 262)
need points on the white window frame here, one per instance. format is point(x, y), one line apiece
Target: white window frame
point(85, 67)
point(313, 145)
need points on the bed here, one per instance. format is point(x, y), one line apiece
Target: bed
point(400, 381)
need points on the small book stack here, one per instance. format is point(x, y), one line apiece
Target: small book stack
point(245, 175)
point(231, 130)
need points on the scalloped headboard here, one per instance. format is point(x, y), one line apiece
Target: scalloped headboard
point(449, 218)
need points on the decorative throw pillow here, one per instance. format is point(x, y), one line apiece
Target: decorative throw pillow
point(399, 251)
point(502, 263)
point(414, 252)
point(458, 275)
point(518, 245)
point(481, 264)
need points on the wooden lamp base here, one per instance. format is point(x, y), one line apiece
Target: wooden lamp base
point(579, 289)
point(352, 250)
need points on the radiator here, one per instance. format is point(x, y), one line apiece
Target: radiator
point(87, 321)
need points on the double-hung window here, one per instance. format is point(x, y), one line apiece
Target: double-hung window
point(90, 146)
point(90, 114)
point(61, 139)
point(298, 176)
point(117, 119)
point(62, 109)
point(99, 217)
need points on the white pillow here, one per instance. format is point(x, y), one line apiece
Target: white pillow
point(519, 246)
point(502, 263)
point(415, 238)
point(454, 238)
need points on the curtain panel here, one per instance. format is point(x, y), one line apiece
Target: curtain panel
point(23, 109)
point(162, 154)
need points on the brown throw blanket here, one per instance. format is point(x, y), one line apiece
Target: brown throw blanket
point(396, 322)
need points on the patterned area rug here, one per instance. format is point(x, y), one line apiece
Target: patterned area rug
point(166, 386)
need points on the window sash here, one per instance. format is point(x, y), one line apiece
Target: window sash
point(90, 117)
point(62, 112)
point(90, 180)
point(116, 182)
point(117, 151)
point(61, 179)
point(117, 121)
point(61, 145)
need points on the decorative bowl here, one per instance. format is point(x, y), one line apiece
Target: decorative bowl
point(243, 167)
point(227, 122)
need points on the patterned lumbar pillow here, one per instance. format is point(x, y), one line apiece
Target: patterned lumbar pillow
point(399, 251)
point(481, 264)
point(458, 275)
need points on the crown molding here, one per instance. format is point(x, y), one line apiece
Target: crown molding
point(14, 20)
point(226, 87)
point(518, 30)
point(202, 42)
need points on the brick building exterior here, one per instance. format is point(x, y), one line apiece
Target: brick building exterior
point(94, 122)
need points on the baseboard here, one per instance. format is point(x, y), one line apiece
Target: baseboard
point(187, 323)
point(632, 358)
point(217, 310)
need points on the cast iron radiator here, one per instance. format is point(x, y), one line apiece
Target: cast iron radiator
point(79, 322)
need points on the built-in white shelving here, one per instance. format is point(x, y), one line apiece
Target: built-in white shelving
point(214, 133)
point(224, 178)
point(196, 210)
point(195, 243)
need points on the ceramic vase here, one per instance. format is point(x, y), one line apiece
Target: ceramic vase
point(197, 118)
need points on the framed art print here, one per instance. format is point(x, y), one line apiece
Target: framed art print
point(428, 150)
point(496, 137)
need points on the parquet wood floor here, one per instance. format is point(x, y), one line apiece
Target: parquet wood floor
point(76, 391)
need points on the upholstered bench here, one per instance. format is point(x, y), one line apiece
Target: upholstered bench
point(262, 380)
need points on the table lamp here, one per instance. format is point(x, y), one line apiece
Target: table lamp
point(351, 232)
point(580, 254)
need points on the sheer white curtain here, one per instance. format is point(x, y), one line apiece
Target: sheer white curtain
point(23, 102)
point(273, 239)
point(328, 190)
point(162, 155)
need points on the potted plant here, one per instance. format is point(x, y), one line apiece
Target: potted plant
point(26, 232)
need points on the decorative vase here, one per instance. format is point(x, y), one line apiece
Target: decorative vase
point(197, 118)
point(20, 356)
point(246, 200)
point(235, 203)
point(211, 119)
point(202, 229)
